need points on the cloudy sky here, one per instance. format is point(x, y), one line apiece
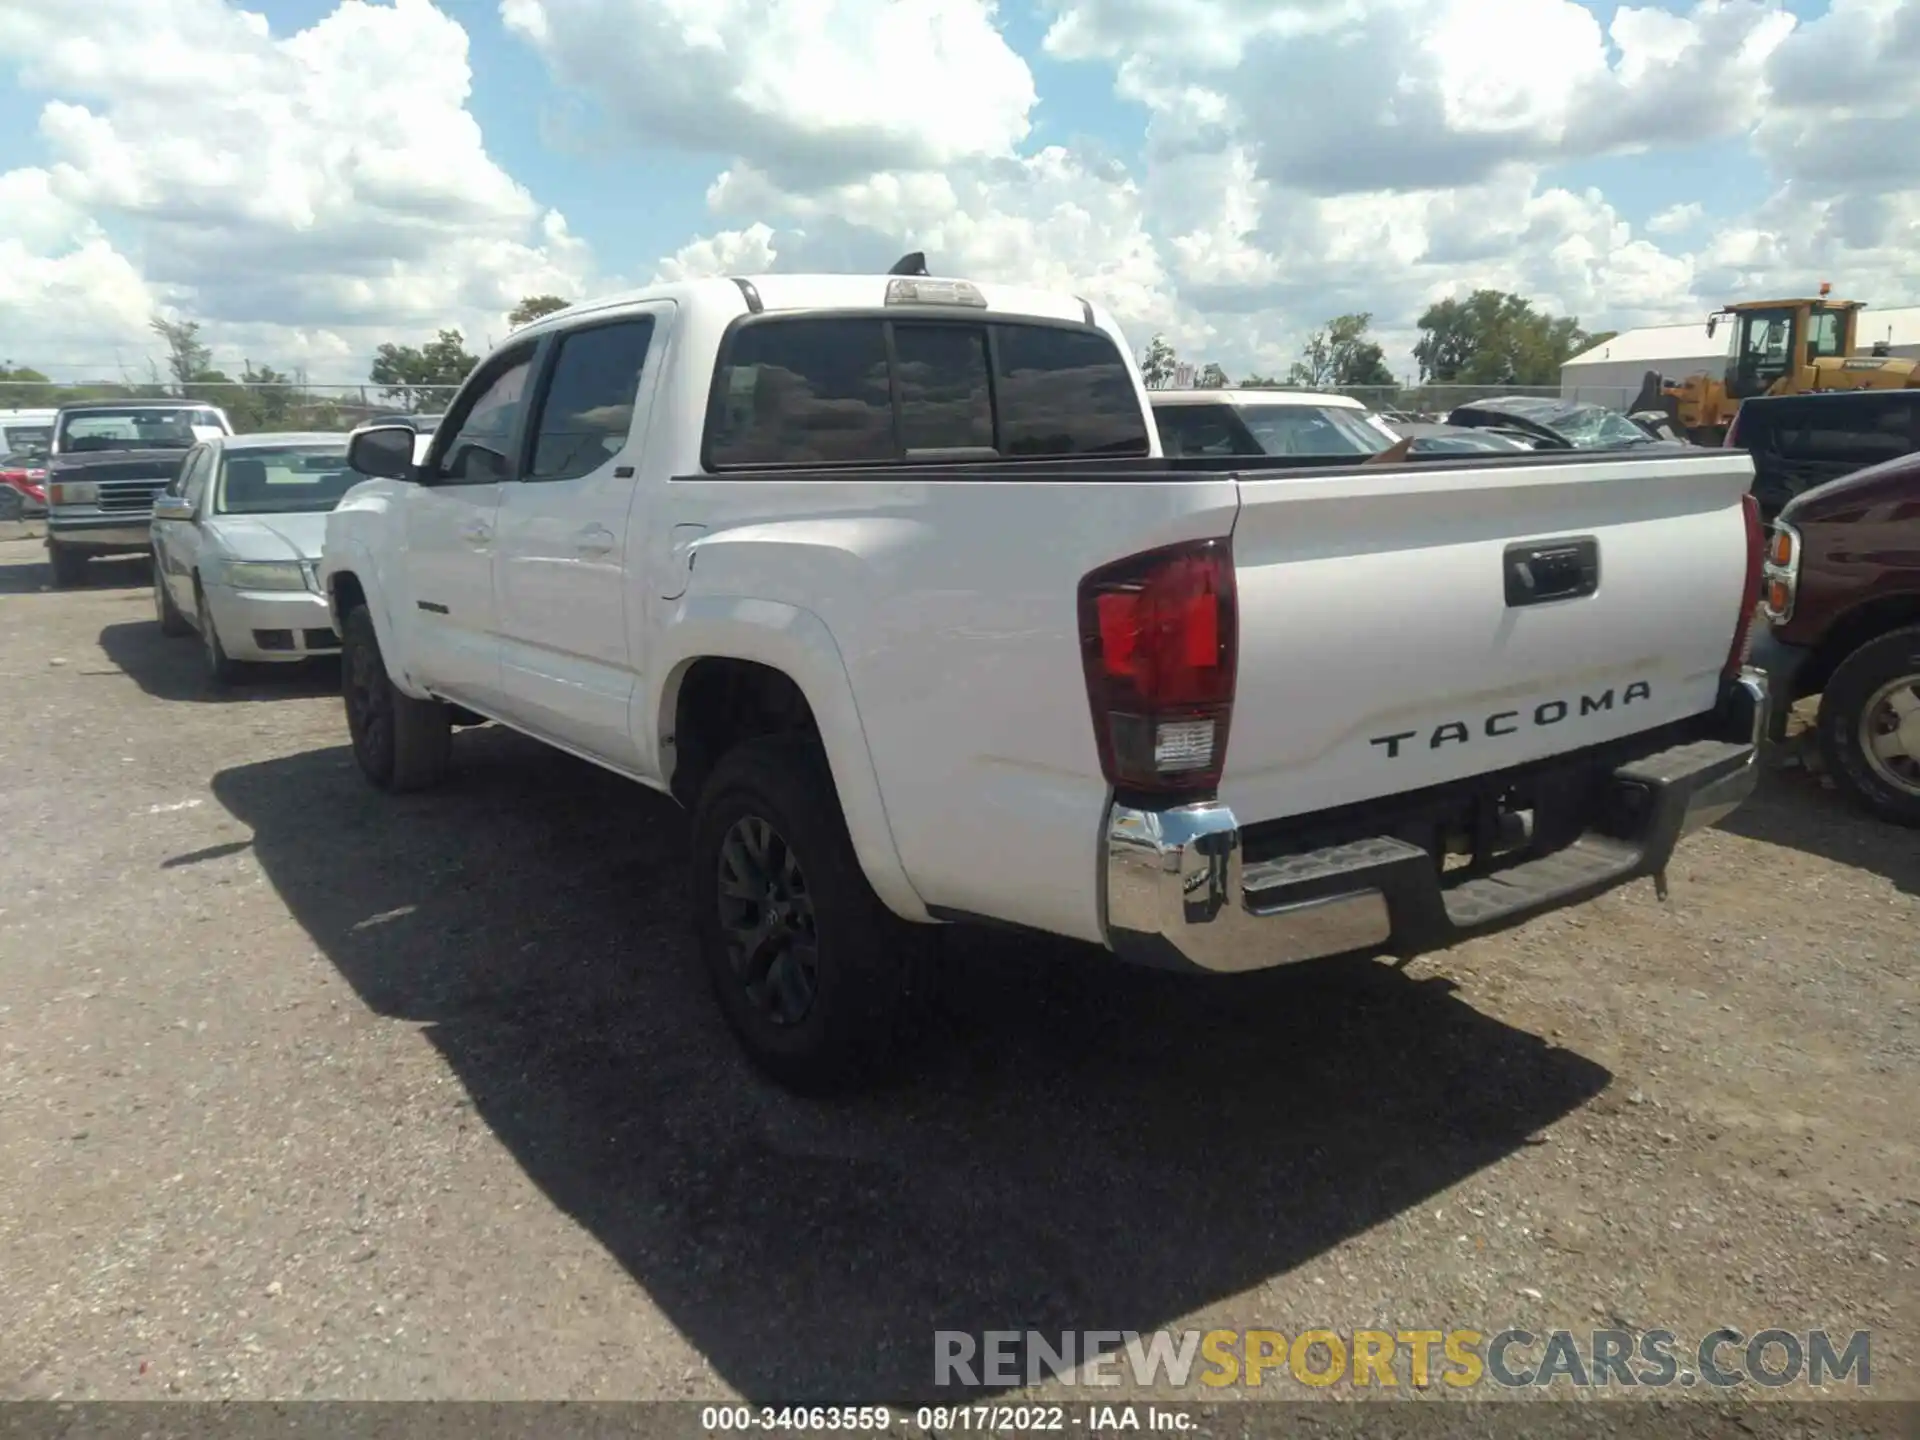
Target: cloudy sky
point(311, 177)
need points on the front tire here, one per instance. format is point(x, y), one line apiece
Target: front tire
point(221, 668)
point(815, 976)
point(1869, 726)
point(172, 622)
point(69, 566)
point(400, 743)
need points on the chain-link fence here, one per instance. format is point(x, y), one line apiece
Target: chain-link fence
point(251, 407)
point(1437, 400)
point(299, 406)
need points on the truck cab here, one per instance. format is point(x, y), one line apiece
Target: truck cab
point(1773, 338)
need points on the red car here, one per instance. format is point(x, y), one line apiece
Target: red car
point(1842, 602)
point(23, 486)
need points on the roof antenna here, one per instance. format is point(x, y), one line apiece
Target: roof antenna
point(914, 264)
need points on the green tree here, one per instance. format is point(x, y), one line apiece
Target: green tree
point(25, 389)
point(532, 308)
point(412, 376)
point(1340, 355)
point(1158, 364)
point(1211, 377)
point(1494, 338)
point(1260, 382)
point(189, 359)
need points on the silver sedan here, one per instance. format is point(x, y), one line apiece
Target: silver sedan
point(235, 539)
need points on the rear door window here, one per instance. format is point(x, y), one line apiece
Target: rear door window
point(865, 390)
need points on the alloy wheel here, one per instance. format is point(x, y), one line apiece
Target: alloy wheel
point(369, 702)
point(767, 920)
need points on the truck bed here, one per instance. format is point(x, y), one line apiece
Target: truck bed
point(1378, 653)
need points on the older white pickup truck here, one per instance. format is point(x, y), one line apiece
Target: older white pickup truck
point(885, 579)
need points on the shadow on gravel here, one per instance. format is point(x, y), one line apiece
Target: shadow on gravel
point(1793, 809)
point(1083, 1145)
point(172, 669)
point(24, 570)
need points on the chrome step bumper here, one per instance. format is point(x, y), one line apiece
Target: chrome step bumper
point(1179, 894)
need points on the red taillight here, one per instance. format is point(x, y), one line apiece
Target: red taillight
point(1159, 640)
point(1750, 587)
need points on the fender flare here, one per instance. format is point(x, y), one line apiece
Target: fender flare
point(357, 561)
point(797, 643)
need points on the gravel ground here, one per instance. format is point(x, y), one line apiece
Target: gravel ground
point(306, 1091)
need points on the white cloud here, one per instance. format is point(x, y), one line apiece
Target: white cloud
point(305, 194)
point(810, 91)
point(309, 194)
point(731, 252)
point(1677, 219)
point(1052, 219)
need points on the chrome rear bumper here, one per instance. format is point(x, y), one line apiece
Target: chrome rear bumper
point(1180, 894)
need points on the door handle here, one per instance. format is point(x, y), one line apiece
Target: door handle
point(594, 540)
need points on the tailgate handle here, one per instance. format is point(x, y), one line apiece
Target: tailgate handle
point(1539, 571)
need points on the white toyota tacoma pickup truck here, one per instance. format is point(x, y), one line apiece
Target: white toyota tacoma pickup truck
point(885, 579)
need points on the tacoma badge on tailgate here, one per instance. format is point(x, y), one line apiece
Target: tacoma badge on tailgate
point(1508, 722)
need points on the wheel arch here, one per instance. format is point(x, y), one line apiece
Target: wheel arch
point(350, 583)
point(1862, 624)
point(796, 646)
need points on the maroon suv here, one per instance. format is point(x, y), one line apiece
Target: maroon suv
point(1842, 600)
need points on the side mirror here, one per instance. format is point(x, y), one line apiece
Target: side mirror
point(172, 507)
point(383, 451)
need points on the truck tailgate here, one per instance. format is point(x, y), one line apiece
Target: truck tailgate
point(1387, 642)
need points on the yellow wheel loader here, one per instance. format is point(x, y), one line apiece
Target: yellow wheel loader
point(1779, 347)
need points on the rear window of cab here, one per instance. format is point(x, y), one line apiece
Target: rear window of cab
point(870, 390)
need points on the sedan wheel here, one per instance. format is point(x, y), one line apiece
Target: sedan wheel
point(172, 622)
point(221, 669)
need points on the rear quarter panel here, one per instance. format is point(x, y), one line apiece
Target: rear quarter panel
point(952, 604)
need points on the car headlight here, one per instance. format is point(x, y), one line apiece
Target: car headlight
point(266, 575)
point(74, 492)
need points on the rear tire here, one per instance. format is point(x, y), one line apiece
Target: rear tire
point(69, 566)
point(1871, 754)
point(400, 743)
point(172, 622)
point(817, 979)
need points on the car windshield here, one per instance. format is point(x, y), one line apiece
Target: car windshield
point(1295, 429)
point(136, 428)
point(1583, 426)
point(292, 480)
point(1590, 427)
